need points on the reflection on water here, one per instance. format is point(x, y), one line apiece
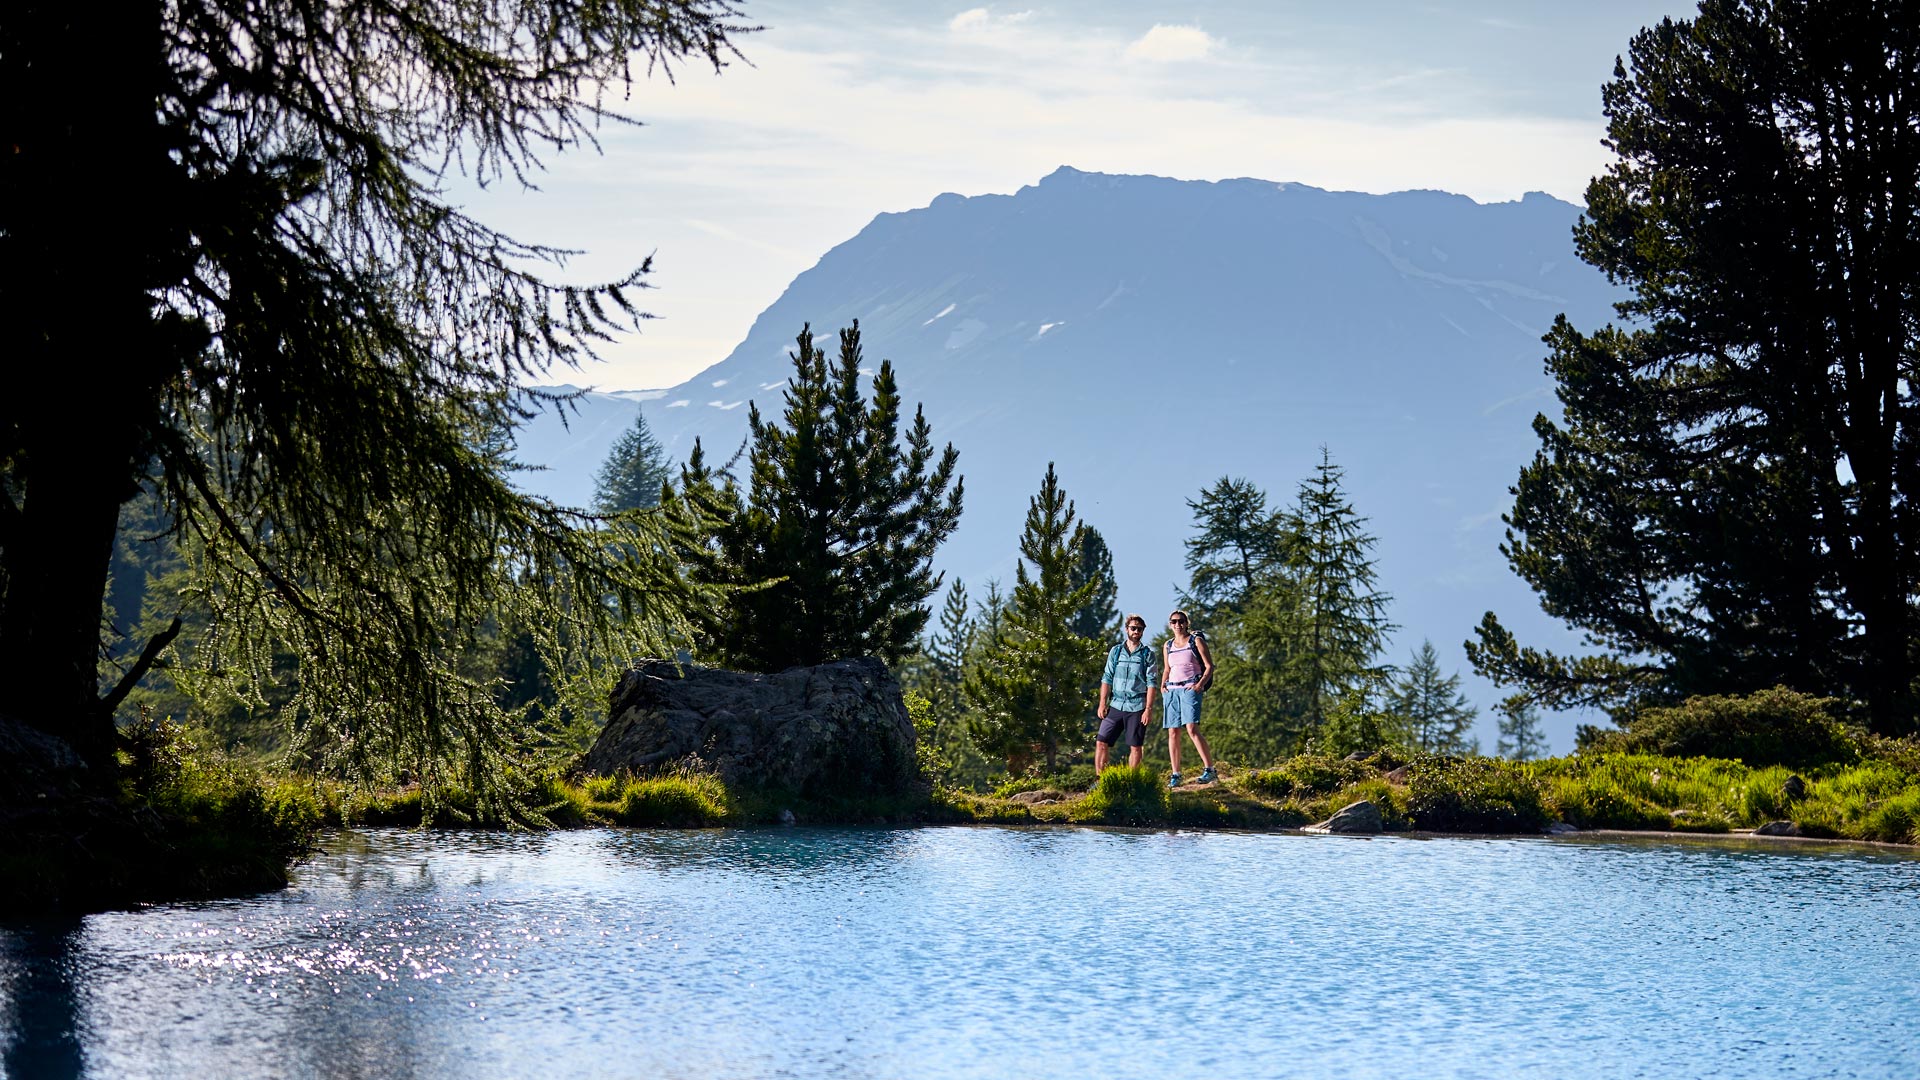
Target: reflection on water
point(992, 952)
point(38, 1011)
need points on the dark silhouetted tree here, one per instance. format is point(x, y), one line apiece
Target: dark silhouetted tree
point(231, 222)
point(1727, 501)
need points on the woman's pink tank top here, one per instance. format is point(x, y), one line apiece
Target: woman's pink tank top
point(1183, 663)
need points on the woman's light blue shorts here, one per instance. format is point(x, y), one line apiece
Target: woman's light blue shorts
point(1183, 707)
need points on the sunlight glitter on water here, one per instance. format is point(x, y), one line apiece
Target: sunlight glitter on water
point(992, 952)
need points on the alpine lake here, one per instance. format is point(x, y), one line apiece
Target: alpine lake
point(994, 952)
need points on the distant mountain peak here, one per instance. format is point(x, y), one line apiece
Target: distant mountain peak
point(1149, 335)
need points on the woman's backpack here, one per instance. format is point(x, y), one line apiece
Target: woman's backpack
point(1206, 680)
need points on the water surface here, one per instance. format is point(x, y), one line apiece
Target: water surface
point(976, 952)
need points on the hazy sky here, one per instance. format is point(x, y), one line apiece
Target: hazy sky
point(840, 111)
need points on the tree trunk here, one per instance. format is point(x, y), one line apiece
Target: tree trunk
point(81, 203)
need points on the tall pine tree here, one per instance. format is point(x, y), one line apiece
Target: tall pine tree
point(1028, 688)
point(299, 343)
point(1343, 612)
point(1520, 736)
point(1237, 542)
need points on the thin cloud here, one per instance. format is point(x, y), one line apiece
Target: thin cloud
point(974, 20)
point(1171, 44)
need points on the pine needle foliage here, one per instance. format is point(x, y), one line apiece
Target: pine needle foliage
point(316, 352)
point(1028, 688)
point(1243, 595)
point(1297, 621)
point(837, 513)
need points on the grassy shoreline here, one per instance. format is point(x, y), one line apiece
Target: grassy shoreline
point(1873, 800)
point(216, 828)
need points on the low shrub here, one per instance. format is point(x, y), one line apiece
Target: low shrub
point(1074, 779)
point(184, 821)
point(1474, 794)
point(1390, 801)
point(1763, 797)
point(967, 807)
point(1903, 753)
point(1308, 776)
point(1773, 727)
point(1699, 822)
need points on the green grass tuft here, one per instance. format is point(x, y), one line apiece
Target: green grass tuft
point(1127, 795)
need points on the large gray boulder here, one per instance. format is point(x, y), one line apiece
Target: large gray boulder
point(1361, 818)
point(834, 730)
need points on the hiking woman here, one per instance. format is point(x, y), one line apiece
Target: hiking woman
point(1187, 671)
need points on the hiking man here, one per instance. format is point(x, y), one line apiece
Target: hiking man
point(1126, 696)
point(1186, 675)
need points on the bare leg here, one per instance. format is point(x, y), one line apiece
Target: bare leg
point(1136, 756)
point(1173, 747)
point(1100, 757)
point(1200, 744)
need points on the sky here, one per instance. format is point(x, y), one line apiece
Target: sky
point(737, 182)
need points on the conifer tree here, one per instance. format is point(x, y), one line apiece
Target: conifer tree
point(1725, 502)
point(1520, 736)
point(302, 345)
point(934, 669)
point(1243, 594)
point(1028, 690)
point(1259, 697)
point(836, 511)
point(991, 624)
point(953, 634)
point(634, 472)
point(1344, 614)
point(1361, 719)
point(1093, 562)
point(1237, 541)
point(1437, 714)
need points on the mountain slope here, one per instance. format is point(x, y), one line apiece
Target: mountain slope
point(1150, 335)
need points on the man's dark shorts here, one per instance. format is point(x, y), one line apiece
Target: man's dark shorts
point(1118, 719)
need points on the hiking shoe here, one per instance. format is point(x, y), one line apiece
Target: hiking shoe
point(1207, 776)
point(1173, 780)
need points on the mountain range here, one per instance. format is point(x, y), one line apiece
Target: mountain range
point(1151, 335)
